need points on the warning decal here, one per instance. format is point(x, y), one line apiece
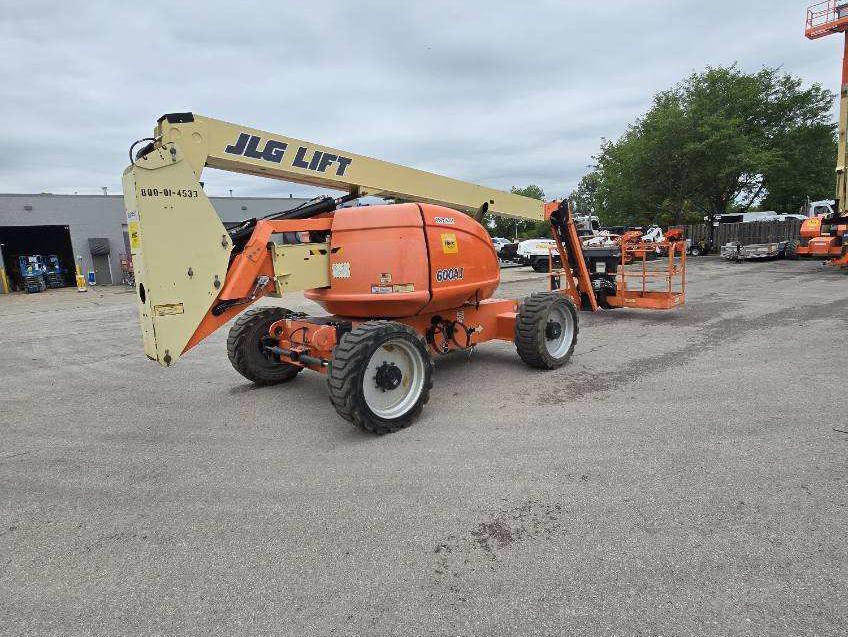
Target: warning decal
point(341, 270)
point(135, 237)
point(449, 244)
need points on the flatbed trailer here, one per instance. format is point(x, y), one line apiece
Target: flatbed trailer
point(735, 251)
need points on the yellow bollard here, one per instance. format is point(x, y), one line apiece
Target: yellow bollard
point(81, 286)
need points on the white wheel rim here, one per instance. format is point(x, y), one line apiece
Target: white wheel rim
point(560, 344)
point(406, 359)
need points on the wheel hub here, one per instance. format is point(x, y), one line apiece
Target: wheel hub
point(553, 330)
point(388, 376)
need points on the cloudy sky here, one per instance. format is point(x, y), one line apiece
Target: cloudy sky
point(498, 93)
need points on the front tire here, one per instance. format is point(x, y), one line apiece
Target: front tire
point(546, 330)
point(380, 376)
point(244, 347)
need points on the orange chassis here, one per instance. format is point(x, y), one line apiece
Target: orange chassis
point(308, 341)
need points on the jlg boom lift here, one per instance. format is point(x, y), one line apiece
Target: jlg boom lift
point(402, 282)
point(826, 236)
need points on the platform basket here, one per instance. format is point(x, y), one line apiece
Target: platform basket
point(826, 18)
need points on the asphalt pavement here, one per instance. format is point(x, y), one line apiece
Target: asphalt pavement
point(681, 476)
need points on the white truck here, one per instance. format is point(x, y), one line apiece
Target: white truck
point(817, 208)
point(536, 253)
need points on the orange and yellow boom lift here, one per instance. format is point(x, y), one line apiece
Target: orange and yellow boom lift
point(401, 283)
point(826, 236)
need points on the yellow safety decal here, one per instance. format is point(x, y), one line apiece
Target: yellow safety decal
point(449, 244)
point(135, 237)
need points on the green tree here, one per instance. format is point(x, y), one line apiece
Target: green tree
point(583, 199)
point(719, 141)
point(807, 170)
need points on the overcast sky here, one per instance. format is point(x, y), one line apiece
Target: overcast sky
point(498, 93)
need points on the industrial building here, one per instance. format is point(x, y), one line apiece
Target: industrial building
point(92, 229)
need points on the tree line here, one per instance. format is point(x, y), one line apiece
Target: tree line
point(720, 141)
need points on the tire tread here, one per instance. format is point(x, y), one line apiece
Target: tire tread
point(240, 340)
point(529, 329)
point(344, 377)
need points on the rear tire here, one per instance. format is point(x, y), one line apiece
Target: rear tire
point(540, 265)
point(603, 303)
point(791, 250)
point(380, 376)
point(244, 347)
point(546, 330)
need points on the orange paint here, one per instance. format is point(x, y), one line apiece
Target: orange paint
point(475, 324)
point(407, 259)
point(406, 262)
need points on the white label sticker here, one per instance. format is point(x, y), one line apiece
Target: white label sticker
point(341, 270)
point(450, 274)
point(445, 221)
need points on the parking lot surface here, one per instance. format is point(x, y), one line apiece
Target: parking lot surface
point(681, 476)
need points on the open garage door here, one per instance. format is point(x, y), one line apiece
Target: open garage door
point(30, 240)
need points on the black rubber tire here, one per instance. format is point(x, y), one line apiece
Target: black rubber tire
point(345, 376)
point(695, 251)
point(531, 323)
point(791, 250)
point(601, 298)
point(244, 347)
point(540, 265)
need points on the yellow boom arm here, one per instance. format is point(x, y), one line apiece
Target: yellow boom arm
point(209, 142)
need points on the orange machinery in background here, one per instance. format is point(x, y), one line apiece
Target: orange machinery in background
point(826, 236)
point(659, 286)
point(823, 237)
point(631, 275)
